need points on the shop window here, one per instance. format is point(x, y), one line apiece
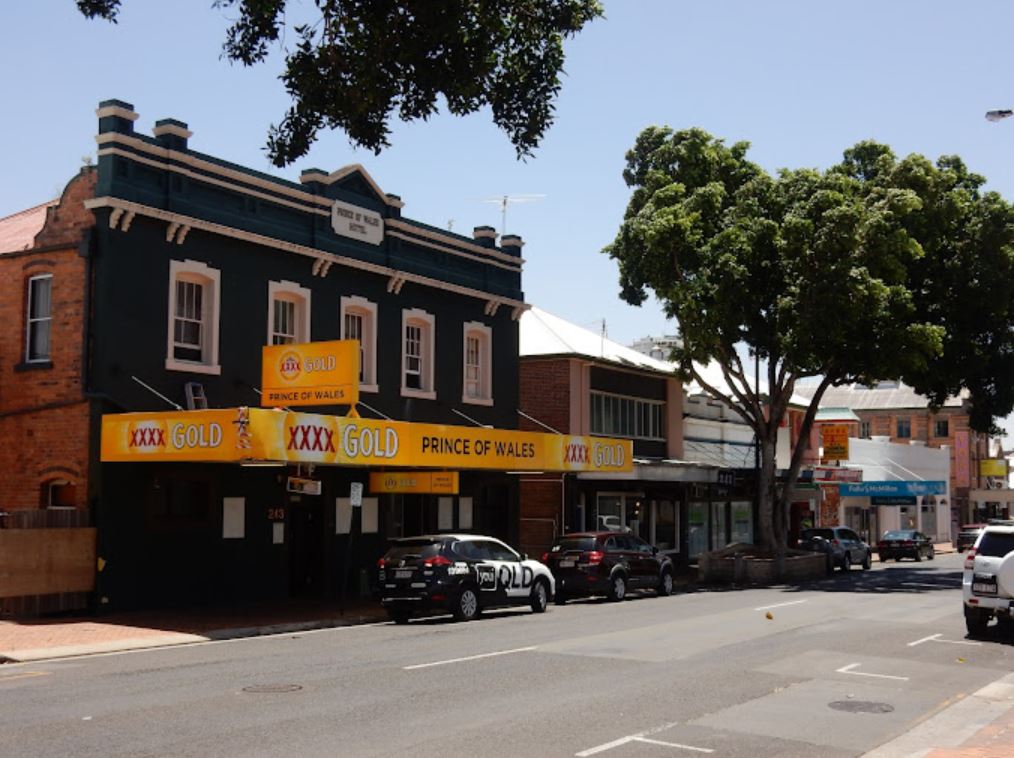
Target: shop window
point(369, 516)
point(904, 428)
point(478, 364)
point(941, 428)
point(193, 318)
point(359, 322)
point(417, 354)
point(665, 528)
point(39, 318)
point(180, 502)
point(288, 313)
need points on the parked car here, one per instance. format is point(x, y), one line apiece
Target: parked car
point(987, 583)
point(607, 563)
point(967, 536)
point(905, 543)
point(460, 573)
point(844, 547)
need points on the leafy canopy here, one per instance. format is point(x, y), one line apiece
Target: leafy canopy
point(366, 59)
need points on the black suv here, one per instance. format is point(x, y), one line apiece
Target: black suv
point(607, 563)
point(460, 573)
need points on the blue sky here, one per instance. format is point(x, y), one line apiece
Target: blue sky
point(800, 80)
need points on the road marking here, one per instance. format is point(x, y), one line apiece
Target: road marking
point(25, 675)
point(676, 745)
point(940, 586)
point(936, 638)
point(780, 605)
point(469, 658)
point(602, 748)
point(848, 670)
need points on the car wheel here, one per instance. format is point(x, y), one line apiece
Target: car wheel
point(868, 561)
point(617, 587)
point(398, 617)
point(540, 597)
point(665, 586)
point(846, 562)
point(467, 606)
point(918, 555)
point(975, 621)
point(932, 553)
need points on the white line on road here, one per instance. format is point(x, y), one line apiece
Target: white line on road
point(936, 638)
point(780, 605)
point(676, 745)
point(848, 670)
point(469, 658)
point(602, 748)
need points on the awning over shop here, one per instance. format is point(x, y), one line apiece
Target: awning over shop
point(256, 434)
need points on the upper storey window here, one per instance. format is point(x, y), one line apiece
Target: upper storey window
point(193, 317)
point(39, 318)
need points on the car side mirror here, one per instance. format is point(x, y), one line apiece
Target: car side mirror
point(524, 556)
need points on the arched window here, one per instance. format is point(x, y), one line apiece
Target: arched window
point(193, 317)
point(418, 328)
point(477, 364)
point(288, 313)
point(359, 322)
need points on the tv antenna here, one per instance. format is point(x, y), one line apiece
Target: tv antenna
point(506, 200)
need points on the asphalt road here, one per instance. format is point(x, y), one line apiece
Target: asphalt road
point(840, 667)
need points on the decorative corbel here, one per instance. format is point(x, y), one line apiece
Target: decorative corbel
point(317, 263)
point(326, 268)
point(127, 220)
point(395, 283)
point(492, 306)
point(114, 217)
point(170, 233)
point(516, 312)
point(184, 230)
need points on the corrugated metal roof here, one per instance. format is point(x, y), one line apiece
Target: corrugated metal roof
point(882, 397)
point(17, 231)
point(835, 414)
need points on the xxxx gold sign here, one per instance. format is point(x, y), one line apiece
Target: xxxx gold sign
point(177, 436)
point(243, 434)
point(416, 482)
point(314, 373)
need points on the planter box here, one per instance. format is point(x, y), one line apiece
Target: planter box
point(733, 566)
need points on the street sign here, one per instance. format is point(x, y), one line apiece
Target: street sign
point(303, 486)
point(356, 494)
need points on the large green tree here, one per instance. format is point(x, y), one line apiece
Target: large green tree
point(874, 269)
point(362, 60)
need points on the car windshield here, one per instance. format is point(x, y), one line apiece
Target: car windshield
point(809, 534)
point(574, 543)
point(413, 549)
point(899, 534)
point(996, 544)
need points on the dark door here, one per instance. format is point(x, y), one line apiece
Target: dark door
point(306, 550)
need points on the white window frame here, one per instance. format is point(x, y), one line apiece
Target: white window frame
point(29, 321)
point(200, 273)
point(427, 324)
point(367, 312)
point(484, 335)
point(293, 293)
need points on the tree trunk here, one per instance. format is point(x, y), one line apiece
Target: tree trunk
point(767, 513)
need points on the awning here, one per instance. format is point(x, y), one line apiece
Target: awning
point(238, 435)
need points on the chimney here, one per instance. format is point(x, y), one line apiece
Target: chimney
point(511, 244)
point(394, 205)
point(116, 116)
point(485, 236)
point(314, 179)
point(172, 134)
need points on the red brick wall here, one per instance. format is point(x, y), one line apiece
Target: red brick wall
point(44, 418)
point(541, 497)
point(545, 393)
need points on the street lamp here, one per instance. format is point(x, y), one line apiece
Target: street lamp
point(999, 115)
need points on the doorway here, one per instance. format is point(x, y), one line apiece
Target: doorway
point(306, 550)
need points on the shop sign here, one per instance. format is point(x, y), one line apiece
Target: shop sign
point(835, 440)
point(218, 435)
point(821, 474)
point(356, 222)
point(255, 434)
point(993, 467)
point(314, 373)
point(892, 489)
point(303, 486)
point(892, 501)
point(415, 482)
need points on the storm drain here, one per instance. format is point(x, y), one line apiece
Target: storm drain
point(272, 689)
point(861, 706)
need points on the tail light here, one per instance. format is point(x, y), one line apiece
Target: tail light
point(595, 556)
point(970, 559)
point(909, 543)
point(380, 563)
point(545, 557)
point(835, 542)
point(438, 560)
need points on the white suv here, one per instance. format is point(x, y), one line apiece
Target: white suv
point(987, 585)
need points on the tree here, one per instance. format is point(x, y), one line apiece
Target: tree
point(365, 59)
point(812, 271)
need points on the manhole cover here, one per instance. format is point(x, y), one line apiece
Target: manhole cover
point(271, 689)
point(861, 706)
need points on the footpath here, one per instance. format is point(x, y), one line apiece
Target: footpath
point(980, 725)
